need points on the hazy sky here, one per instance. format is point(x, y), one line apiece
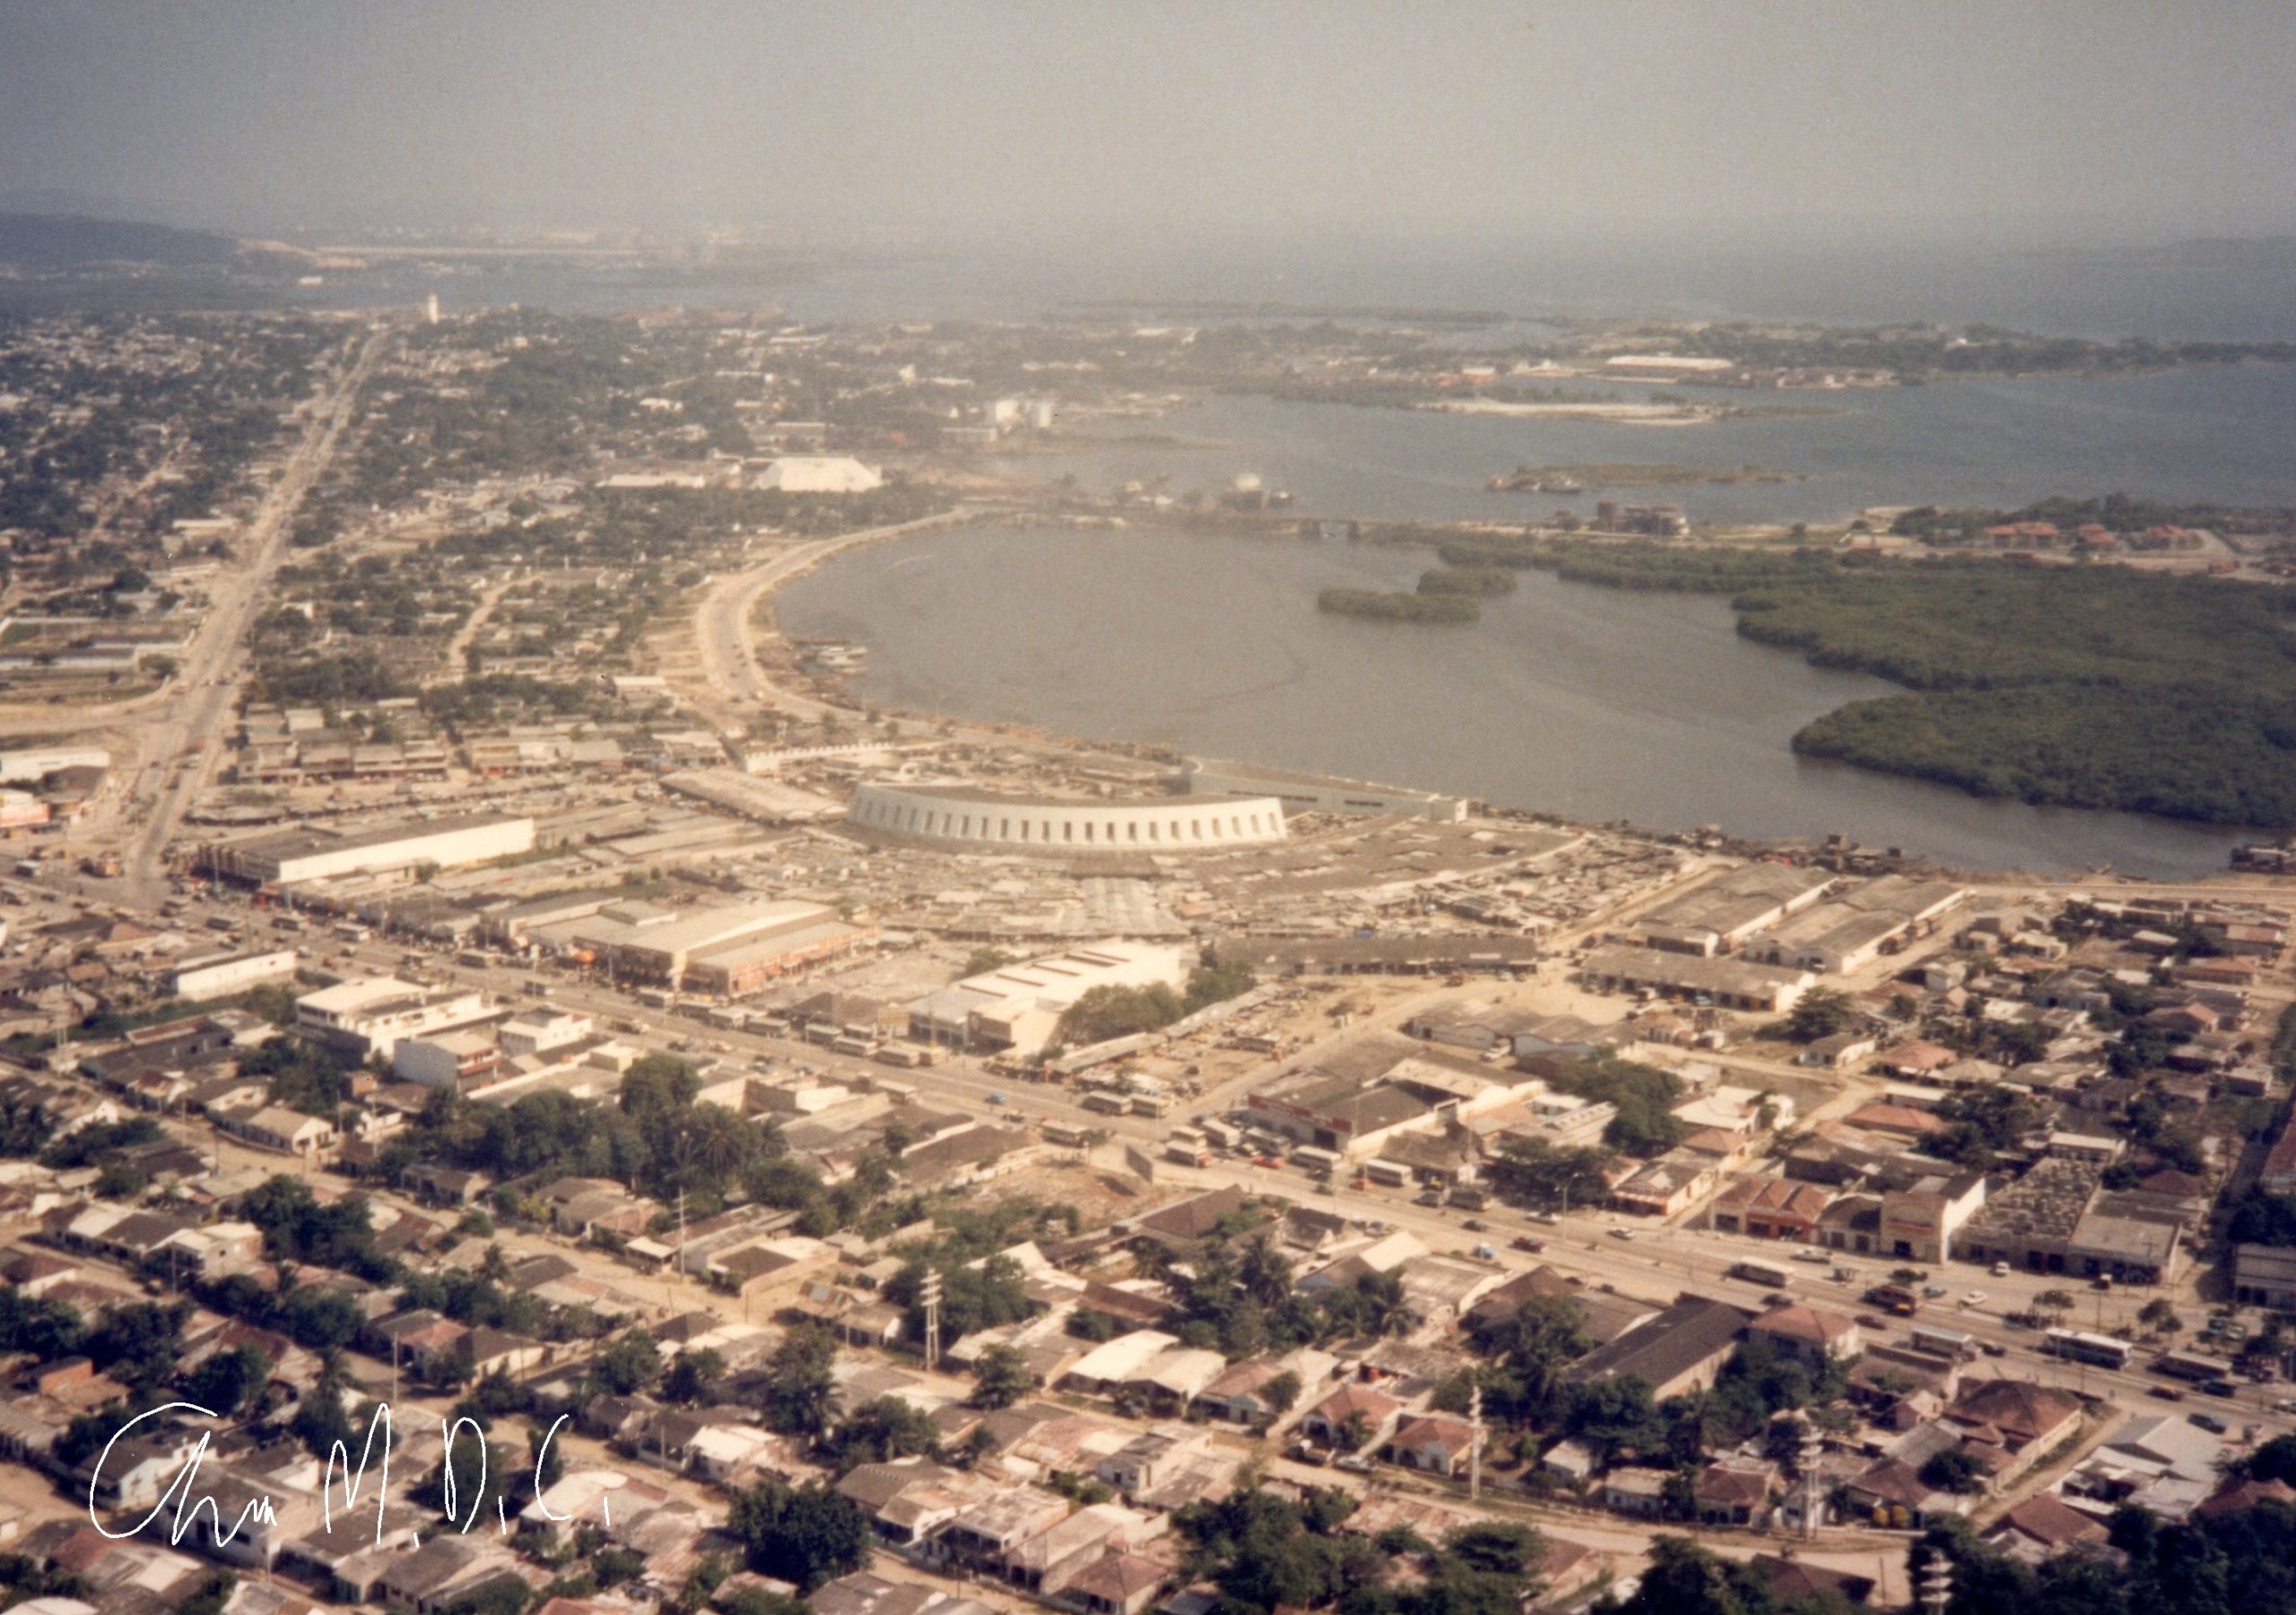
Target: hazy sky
point(2147, 117)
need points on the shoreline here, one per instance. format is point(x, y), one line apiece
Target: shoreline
point(834, 692)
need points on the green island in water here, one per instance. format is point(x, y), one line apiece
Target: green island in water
point(1446, 594)
point(1398, 605)
point(2089, 686)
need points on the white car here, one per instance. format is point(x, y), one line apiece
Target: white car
point(1622, 1233)
point(1976, 1298)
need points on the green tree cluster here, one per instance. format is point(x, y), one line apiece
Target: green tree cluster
point(1375, 605)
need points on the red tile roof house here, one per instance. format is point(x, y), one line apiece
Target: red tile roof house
point(1894, 1494)
point(1900, 1119)
point(1436, 1444)
point(1915, 1060)
point(1736, 1491)
point(2043, 1527)
point(1789, 1577)
point(2247, 1494)
point(1325, 1420)
point(1122, 1583)
point(1770, 1208)
point(1808, 1334)
point(2021, 1419)
point(1240, 1393)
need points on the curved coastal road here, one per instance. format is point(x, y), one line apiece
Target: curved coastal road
point(723, 629)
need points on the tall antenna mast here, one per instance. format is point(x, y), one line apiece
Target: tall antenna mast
point(929, 1293)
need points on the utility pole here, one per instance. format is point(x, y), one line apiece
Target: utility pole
point(1474, 1442)
point(929, 1294)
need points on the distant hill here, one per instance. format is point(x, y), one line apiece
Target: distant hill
point(63, 240)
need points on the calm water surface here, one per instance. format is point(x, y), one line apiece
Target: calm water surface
point(1593, 703)
point(2215, 433)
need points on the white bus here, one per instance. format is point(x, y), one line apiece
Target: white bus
point(1762, 1273)
point(2075, 1346)
point(1317, 1160)
point(1187, 1146)
point(1943, 1342)
point(1104, 1102)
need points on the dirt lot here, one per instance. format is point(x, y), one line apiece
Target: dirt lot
point(1101, 1194)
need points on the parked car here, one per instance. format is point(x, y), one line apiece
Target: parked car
point(1523, 1242)
point(1428, 1197)
point(2220, 1387)
point(2211, 1423)
point(1935, 1292)
point(2168, 1393)
point(1993, 1348)
point(1976, 1298)
point(2001, 1269)
point(1870, 1322)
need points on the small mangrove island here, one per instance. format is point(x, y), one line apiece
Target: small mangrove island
point(1396, 605)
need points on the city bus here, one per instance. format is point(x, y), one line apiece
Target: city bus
point(1315, 1159)
point(1187, 1146)
point(2188, 1365)
point(1943, 1342)
point(1767, 1273)
point(2073, 1345)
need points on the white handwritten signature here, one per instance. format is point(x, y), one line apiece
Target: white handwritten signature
point(188, 1503)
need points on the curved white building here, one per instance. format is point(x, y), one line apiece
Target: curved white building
point(962, 817)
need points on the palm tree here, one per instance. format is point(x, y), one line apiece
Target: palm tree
point(1385, 1310)
point(1264, 1271)
point(714, 1139)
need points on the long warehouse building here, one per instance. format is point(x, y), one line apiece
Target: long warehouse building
point(727, 951)
point(289, 857)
